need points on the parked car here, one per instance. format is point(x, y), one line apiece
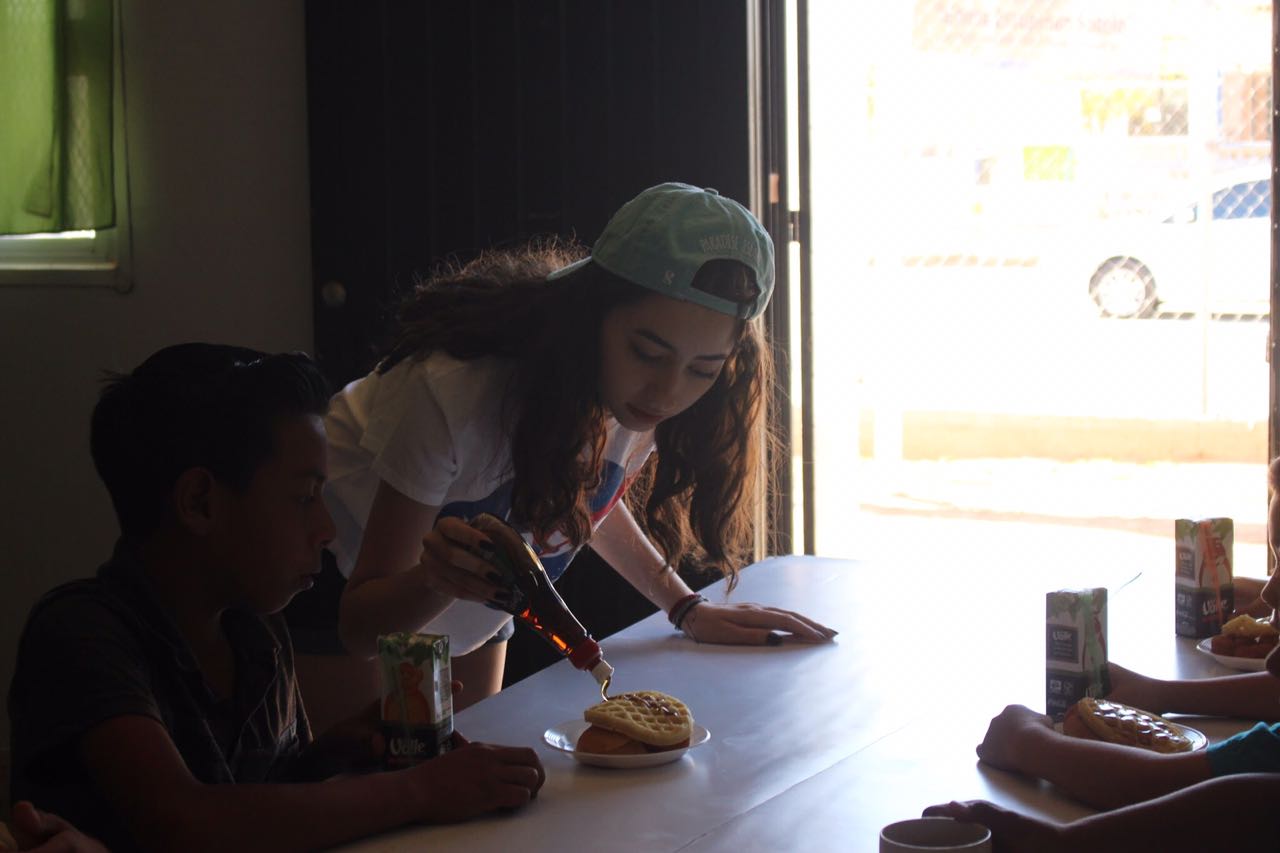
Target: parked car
point(1182, 264)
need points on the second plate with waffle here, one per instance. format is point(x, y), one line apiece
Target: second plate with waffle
point(1113, 722)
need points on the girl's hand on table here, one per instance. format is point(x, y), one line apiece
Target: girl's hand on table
point(751, 625)
point(1009, 734)
point(1010, 832)
point(453, 563)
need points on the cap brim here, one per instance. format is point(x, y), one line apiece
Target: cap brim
point(573, 267)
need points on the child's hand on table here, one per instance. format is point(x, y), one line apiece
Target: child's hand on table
point(475, 778)
point(44, 832)
point(1010, 832)
point(1009, 734)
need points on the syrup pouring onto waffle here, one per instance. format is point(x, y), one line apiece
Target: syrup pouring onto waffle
point(636, 722)
point(534, 600)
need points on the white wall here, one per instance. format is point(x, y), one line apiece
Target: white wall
point(216, 124)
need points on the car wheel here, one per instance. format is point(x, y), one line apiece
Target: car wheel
point(1124, 287)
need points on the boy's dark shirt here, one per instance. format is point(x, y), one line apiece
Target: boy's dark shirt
point(104, 647)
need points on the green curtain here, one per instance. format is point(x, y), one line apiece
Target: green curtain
point(55, 116)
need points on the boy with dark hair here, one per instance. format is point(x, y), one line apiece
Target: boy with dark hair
point(137, 694)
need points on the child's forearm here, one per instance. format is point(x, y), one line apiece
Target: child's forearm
point(387, 590)
point(623, 545)
point(1106, 775)
point(284, 817)
point(346, 747)
point(398, 602)
point(1219, 814)
point(1253, 696)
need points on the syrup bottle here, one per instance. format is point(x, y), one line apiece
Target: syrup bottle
point(535, 602)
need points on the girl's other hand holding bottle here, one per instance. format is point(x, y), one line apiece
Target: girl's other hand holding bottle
point(454, 563)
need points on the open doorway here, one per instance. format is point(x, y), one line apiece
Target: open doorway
point(1040, 279)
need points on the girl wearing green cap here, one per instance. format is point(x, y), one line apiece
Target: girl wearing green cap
point(541, 386)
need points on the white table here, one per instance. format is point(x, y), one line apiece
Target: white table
point(812, 747)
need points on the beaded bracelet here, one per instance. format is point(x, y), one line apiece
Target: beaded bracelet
point(682, 608)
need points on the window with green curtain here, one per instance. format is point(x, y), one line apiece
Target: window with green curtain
point(55, 116)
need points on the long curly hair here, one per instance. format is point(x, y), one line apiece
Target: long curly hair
point(695, 495)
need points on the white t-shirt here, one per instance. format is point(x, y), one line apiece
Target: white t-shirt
point(434, 431)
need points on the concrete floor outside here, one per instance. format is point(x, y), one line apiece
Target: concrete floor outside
point(1041, 524)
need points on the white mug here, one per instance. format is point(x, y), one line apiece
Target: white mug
point(935, 834)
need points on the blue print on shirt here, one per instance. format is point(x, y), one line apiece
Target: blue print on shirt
point(610, 484)
point(497, 502)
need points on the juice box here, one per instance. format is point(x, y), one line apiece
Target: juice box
point(1204, 589)
point(1075, 648)
point(417, 696)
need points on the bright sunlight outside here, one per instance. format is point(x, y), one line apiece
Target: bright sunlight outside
point(1040, 275)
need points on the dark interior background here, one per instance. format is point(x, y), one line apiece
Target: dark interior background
point(438, 129)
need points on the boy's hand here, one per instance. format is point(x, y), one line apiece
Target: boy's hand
point(477, 778)
point(1010, 831)
point(44, 832)
point(1008, 736)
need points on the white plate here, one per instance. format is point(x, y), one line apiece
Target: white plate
point(565, 735)
point(1197, 737)
point(1242, 664)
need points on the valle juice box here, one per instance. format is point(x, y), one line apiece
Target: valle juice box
point(1075, 648)
point(417, 696)
point(1204, 589)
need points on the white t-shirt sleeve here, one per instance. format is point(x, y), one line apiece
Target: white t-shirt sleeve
point(412, 445)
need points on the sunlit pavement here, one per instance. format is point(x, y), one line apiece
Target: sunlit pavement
point(1040, 524)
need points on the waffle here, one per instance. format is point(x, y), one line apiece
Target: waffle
point(1245, 637)
point(1247, 626)
point(645, 715)
point(1116, 723)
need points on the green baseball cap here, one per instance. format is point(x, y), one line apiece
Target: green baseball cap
point(663, 236)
